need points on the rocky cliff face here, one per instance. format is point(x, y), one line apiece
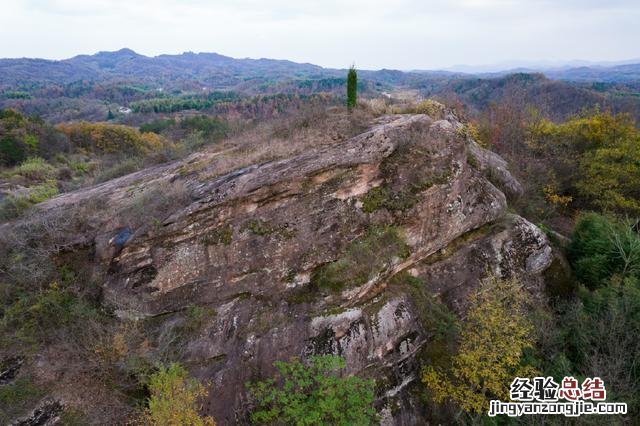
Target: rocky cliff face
point(339, 250)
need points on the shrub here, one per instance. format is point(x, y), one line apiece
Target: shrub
point(17, 138)
point(104, 138)
point(157, 126)
point(17, 397)
point(40, 193)
point(28, 247)
point(174, 399)
point(381, 197)
point(81, 167)
point(35, 169)
point(595, 334)
point(220, 235)
point(11, 150)
point(32, 317)
point(601, 247)
point(374, 199)
point(313, 393)
point(211, 128)
point(14, 205)
point(433, 109)
point(22, 137)
point(492, 342)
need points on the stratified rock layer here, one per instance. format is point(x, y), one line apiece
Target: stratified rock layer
point(278, 250)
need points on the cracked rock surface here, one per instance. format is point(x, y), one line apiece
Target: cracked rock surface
point(259, 245)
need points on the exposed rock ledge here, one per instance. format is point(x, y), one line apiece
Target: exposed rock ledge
point(251, 242)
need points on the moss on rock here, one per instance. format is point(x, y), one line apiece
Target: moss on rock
point(364, 258)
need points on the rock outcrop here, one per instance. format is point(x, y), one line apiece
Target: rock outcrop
point(309, 255)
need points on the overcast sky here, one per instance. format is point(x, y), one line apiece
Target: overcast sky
point(400, 34)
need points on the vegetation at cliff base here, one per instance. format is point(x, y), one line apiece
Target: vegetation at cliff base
point(175, 399)
point(602, 247)
point(493, 338)
point(315, 392)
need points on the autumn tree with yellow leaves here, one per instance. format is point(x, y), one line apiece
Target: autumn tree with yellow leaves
point(595, 160)
point(174, 399)
point(492, 339)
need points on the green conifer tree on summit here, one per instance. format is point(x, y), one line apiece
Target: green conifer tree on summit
point(352, 88)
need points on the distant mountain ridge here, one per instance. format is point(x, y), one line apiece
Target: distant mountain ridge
point(617, 73)
point(127, 64)
point(536, 66)
point(221, 71)
point(623, 73)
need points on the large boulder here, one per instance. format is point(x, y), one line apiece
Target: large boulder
point(302, 255)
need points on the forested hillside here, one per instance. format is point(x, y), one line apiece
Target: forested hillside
point(95, 87)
